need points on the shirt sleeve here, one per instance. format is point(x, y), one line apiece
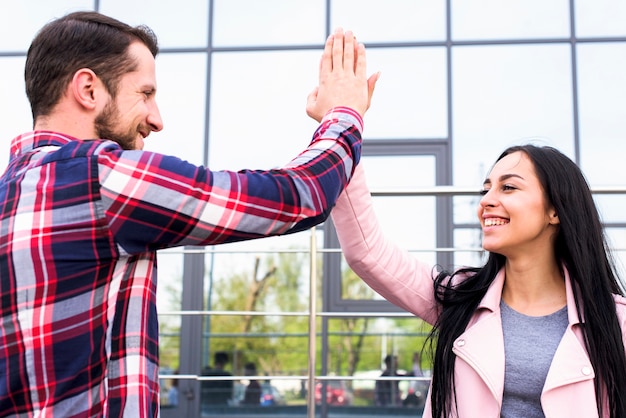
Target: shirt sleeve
point(389, 270)
point(153, 201)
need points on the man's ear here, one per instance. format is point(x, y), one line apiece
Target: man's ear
point(85, 88)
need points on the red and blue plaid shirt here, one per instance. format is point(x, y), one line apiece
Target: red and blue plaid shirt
point(80, 223)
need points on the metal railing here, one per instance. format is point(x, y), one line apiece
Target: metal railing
point(312, 313)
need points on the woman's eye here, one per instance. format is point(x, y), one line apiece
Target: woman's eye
point(508, 187)
point(483, 192)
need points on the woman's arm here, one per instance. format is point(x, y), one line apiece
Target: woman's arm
point(389, 270)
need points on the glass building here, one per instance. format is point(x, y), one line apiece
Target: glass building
point(461, 80)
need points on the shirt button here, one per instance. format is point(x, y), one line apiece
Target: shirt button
point(586, 371)
point(460, 343)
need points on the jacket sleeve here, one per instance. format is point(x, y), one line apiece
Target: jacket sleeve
point(389, 270)
point(153, 201)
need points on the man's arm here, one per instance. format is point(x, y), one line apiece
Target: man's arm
point(153, 201)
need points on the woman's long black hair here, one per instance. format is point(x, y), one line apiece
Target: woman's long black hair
point(580, 247)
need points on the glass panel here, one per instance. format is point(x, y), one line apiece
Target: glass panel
point(183, 23)
point(410, 100)
point(14, 106)
point(258, 120)
point(396, 21)
point(611, 207)
point(398, 215)
point(269, 22)
point(181, 98)
point(617, 242)
point(468, 242)
point(21, 20)
point(275, 345)
point(408, 221)
point(601, 92)
point(363, 349)
point(464, 207)
point(600, 18)
point(505, 95)
point(494, 19)
point(169, 296)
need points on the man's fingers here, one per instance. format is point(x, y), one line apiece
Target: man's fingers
point(326, 62)
point(360, 64)
point(371, 84)
point(348, 51)
point(338, 49)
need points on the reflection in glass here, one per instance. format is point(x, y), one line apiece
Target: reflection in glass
point(269, 22)
point(181, 96)
point(21, 20)
point(411, 96)
point(600, 18)
point(391, 21)
point(468, 242)
point(505, 95)
point(617, 242)
point(258, 99)
point(14, 106)
point(169, 298)
point(183, 23)
point(601, 93)
point(358, 348)
point(494, 19)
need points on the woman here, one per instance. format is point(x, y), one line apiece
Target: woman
point(539, 330)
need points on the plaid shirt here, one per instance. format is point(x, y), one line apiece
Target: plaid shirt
point(80, 223)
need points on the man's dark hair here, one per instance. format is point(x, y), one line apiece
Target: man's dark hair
point(221, 357)
point(80, 40)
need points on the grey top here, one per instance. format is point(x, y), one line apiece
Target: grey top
point(529, 346)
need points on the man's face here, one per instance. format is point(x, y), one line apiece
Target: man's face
point(130, 117)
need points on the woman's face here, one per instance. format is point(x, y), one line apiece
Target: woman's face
point(515, 216)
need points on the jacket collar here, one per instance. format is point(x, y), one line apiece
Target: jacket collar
point(491, 300)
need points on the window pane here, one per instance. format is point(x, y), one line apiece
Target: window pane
point(21, 20)
point(617, 242)
point(468, 243)
point(169, 297)
point(176, 24)
point(410, 100)
point(269, 22)
point(181, 98)
point(465, 207)
point(601, 93)
point(409, 221)
point(504, 95)
point(258, 119)
point(600, 18)
point(611, 207)
point(494, 19)
point(395, 21)
point(14, 107)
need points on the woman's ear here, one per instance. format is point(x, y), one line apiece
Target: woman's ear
point(84, 88)
point(554, 218)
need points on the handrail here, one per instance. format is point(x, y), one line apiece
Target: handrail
point(311, 378)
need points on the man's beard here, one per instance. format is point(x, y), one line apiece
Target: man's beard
point(107, 126)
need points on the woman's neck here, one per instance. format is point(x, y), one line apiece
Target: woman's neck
point(534, 288)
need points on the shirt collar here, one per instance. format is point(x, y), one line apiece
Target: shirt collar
point(30, 140)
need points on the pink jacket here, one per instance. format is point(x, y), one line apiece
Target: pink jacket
point(404, 281)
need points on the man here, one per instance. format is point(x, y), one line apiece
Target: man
point(217, 392)
point(83, 210)
point(387, 392)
